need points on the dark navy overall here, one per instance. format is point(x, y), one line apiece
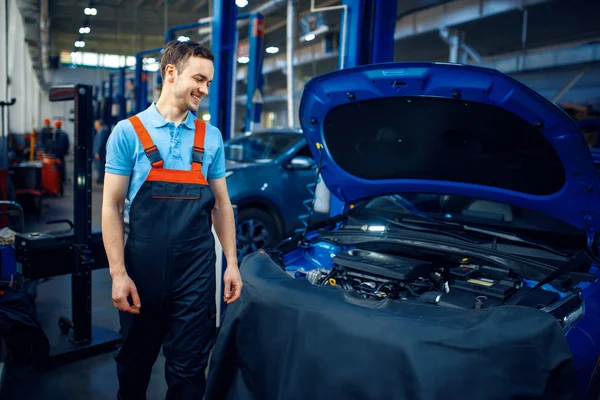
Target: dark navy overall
point(170, 257)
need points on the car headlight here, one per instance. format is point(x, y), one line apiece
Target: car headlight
point(567, 311)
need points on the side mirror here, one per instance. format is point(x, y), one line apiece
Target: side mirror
point(301, 162)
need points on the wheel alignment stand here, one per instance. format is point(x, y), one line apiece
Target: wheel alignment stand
point(86, 340)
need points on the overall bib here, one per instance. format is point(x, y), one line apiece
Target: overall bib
point(170, 257)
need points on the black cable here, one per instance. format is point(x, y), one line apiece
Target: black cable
point(312, 208)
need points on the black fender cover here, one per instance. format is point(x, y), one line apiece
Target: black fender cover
point(285, 339)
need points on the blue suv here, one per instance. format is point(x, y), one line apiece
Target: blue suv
point(269, 174)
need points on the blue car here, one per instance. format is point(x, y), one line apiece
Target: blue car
point(269, 176)
point(463, 261)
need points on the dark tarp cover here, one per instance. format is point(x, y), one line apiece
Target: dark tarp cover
point(285, 339)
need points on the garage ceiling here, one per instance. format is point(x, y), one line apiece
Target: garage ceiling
point(127, 26)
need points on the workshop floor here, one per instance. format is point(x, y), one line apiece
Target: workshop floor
point(90, 379)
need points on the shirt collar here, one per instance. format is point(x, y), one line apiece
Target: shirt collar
point(158, 121)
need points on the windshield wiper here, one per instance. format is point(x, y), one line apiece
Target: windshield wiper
point(511, 237)
point(420, 229)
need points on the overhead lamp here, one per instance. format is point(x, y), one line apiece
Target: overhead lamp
point(80, 43)
point(272, 49)
point(84, 29)
point(183, 38)
point(90, 11)
point(241, 3)
point(307, 37)
point(244, 60)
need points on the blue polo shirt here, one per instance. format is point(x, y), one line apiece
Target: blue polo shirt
point(125, 153)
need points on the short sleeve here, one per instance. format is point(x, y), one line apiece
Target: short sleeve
point(216, 170)
point(119, 158)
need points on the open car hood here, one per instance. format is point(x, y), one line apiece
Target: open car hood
point(448, 129)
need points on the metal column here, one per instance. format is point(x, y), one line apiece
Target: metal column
point(122, 104)
point(369, 37)
point(141, 79)
point(290, 40)
point(86, 339)
point(223, 46)
point(254, 76)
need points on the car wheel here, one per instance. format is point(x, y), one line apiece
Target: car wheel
point(255, 229)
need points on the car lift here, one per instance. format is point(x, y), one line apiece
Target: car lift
point(42, 255)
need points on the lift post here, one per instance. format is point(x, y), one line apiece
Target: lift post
point(122, 104)
point(369, 39)
point(141, 79)
point(86, 339)
point(223, 46)
point(254, 79)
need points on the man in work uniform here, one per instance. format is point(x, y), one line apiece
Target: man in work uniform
point(171, 167)
point(99, 150)
point(60, 149)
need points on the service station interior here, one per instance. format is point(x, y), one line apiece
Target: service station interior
point(415, 186)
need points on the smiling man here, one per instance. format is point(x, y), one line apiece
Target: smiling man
point(171, 167)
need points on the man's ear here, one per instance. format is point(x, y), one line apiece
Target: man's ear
point(170, 72)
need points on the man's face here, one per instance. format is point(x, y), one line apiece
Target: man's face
point(192, 82)
point(97, 125)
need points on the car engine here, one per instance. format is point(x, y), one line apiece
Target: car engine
point(465, 285)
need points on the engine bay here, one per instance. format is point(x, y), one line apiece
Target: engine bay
point(465, 284)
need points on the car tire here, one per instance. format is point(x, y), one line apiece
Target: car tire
point(255, 229)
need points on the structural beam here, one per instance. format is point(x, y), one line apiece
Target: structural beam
point(290, 45)
point(545, 58)
point(254, 85)
point(455, 13)
point(223, 46)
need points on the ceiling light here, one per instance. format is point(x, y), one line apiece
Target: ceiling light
point(84, 30)
point(80, 43)
point(272, 50)
point(309, 37)
point(90, 11)
point(183, 38)
point(206, 117)
point(241, 3)
point(244, 60)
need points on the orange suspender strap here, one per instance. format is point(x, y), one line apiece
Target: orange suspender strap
point(198, 152)
point(149, 147)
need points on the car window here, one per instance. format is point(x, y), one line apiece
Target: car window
point(259, 147)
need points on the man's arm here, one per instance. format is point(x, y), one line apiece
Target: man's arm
point(224, 224)
point(223, 219)
point(113, 199)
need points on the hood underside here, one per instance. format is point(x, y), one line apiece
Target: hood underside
point(448, 129)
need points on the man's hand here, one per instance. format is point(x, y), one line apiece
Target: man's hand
point(122, 288)
point(232, 284)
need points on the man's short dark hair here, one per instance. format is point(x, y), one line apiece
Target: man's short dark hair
point(177, 53)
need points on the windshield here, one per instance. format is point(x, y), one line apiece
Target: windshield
point(475, 212)
point(260, 147)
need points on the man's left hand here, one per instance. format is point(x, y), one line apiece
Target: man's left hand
point(232, 284)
